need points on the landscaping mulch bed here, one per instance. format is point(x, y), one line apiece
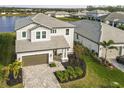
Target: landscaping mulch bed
point(13, 81)
point(75, 62)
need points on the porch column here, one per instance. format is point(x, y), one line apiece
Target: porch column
point(64, 55)
point(113, 23)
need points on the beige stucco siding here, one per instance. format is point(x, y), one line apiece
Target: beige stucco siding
point(87, 43)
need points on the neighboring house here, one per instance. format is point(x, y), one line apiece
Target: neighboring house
point(62, 14)
point(91, 33)
point(97, 15)
point(39, 38)
point(80, 14)
point(115, 19)
point(50, 13)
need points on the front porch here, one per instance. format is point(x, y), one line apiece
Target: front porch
point(60, 55)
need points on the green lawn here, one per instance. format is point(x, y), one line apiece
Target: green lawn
point(68, 19)
point(97, 76)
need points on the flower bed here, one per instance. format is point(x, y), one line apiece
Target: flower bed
point(71, 73)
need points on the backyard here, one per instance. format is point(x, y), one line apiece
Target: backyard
point(97, 75)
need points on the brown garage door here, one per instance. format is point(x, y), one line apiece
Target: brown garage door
point(35, 59)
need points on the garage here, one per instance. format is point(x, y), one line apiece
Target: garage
point(35, 59)
point(112, 53)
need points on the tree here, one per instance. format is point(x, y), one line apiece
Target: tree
point(13, 68)
point(107, 46)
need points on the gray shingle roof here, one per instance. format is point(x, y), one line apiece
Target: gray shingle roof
point(112, 33)
point(23, 22)
point(42, 20)
point(119, 16)
point(89, 29)
point(93, 31)
point(50, 22)
point(56, 42)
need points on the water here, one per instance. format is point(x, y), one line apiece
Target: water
point(7, 23)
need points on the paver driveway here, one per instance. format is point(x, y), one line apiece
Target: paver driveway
point(39, 76)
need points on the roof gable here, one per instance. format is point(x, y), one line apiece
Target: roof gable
point(42, 20)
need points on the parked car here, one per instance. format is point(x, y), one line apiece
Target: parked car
point(120, 59)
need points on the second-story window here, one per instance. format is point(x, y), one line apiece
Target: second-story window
point(67, 31)
point(37, 35)
point(44, 34)
point(24, 34)
point(53, 31)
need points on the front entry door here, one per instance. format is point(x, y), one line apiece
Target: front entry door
point(55, 52)
point(120, 51)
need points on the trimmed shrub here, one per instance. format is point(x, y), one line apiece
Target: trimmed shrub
point(65, 76)
point(71, 72)
point(52, 65)
point(78, 71)
point(62, 75)
point(59, 75)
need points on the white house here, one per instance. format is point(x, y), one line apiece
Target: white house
point(50, 13)
point(90, 33)
point(39, 38)
point(115, 19)
point(62, 14)
point(98, 15)
point(79, 14)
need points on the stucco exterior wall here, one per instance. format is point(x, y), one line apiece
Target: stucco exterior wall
point(26, 29)
point(87, 43)
point(69, 38)
point(49, 52)
point(40, 29)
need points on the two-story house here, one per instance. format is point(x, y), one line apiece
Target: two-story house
point(40, 37)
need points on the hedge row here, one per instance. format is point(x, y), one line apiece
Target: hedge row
point(69, 74)
point(7, 48)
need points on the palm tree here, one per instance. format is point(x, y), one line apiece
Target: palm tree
point(107, 46)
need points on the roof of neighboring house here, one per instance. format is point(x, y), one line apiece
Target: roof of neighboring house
point(42, 20)
point(88, 29)
point(93, 31)
point(115, 16)
point(56, 42)
point(62, 13)
point(50, 12)
point(112, 33)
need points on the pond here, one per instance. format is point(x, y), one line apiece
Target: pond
point(7, 23)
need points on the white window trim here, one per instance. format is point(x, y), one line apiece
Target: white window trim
point(36, 35)
point(25, 35)
point(45, 34)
